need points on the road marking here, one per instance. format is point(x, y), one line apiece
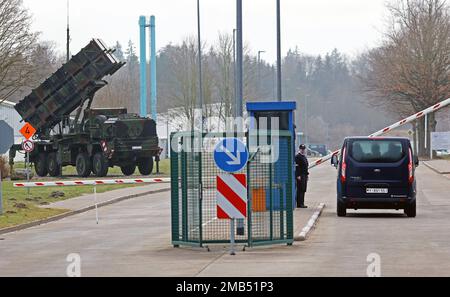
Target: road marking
point(311, 223)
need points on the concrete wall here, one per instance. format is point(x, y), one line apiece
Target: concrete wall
point(443, 119)
point(10, 116)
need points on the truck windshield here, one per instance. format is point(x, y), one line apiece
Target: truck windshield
point(377, 151)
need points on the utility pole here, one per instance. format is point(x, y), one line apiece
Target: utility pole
point(306, 120)
point(279, 95)
point(68, 34)
point(240, 95)
point(200, 82)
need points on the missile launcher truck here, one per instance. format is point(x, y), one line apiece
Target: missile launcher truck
point(71, 132)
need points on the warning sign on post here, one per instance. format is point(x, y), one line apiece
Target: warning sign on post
point(28, 131)
point(232, 196)
point(28, 146)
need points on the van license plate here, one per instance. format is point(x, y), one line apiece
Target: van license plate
point(377, 191)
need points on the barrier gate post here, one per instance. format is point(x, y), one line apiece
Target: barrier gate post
point(96, 204)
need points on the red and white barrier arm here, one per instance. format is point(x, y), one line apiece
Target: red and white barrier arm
point(399, 124)
point(92, 182)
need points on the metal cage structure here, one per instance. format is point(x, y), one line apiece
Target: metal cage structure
point(270, 188)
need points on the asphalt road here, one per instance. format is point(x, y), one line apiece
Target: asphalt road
point(133, 239)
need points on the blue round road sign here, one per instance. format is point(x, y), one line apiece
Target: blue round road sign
point(231, 155)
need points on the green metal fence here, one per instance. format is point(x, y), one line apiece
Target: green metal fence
point(270, 190)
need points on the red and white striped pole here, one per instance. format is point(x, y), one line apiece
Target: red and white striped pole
point(92, 182)
point(401, 123)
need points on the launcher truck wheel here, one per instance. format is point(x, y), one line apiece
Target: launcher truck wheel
point(52, 165)
point(128, 169)
point(83, 164)
point(100, 165)
point(40, 165)
point(146, 166)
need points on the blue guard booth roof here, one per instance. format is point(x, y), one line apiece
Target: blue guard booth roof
point(271, 106)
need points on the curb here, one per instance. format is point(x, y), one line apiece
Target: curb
point(75, 212)
point(434, 169)
point(311, 223)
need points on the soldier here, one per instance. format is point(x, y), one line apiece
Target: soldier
point(302, 175)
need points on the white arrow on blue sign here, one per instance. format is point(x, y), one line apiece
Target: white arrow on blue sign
point(231, 155)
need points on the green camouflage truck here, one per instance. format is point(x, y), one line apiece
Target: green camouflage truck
point(71, 132)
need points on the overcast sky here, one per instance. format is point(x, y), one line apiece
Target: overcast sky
point(315, 26)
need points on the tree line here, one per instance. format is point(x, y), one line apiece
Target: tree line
point(331, 104)
point(337, 95)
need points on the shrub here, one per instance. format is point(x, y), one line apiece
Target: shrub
point(4, 167)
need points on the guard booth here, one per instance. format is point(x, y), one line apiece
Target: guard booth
point(270, 182)
point(276, 116)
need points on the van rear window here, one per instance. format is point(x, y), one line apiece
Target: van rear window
point(377, 151)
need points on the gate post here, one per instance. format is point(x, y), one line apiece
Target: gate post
point(174, 173)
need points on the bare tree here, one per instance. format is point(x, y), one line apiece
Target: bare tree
point(184, 76)
point(123, 87)
point(411, 70)
point(16, 48)
point(224, 80)
point(43, 61)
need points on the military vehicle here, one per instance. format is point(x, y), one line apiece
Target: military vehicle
point(91, 139)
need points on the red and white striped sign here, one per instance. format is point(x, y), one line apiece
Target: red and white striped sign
point(93, 182)
point(231, 196)
point(104, 146)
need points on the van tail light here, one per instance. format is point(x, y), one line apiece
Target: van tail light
point(410, 168)
point(344, 166)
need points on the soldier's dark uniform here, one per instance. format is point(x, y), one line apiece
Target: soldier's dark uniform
point(301, 170)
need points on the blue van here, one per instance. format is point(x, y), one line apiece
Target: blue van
point(376, 173)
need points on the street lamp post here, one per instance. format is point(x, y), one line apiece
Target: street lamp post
point(200, 65)
point(239, 60)
point(306, 120)
point(235, 73)
point(280, 98)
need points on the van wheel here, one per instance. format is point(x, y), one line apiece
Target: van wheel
point(100, 165)
point(410, 210)
point(341, 209)
point(83, 164)
point(40, 165)
point(52, 165)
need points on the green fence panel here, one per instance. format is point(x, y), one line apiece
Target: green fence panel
point(270, 189)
